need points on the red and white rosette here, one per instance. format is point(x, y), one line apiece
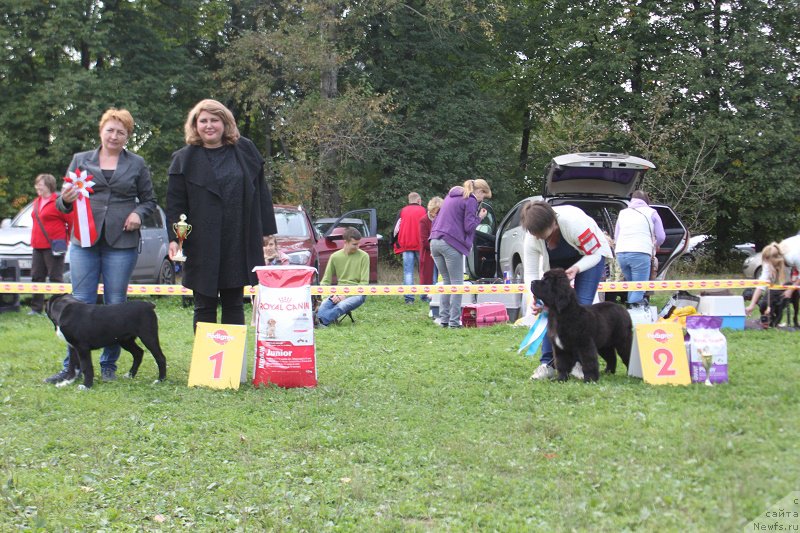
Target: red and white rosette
point(82, 219)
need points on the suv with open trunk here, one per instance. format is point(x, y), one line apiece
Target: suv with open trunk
point(601, 185)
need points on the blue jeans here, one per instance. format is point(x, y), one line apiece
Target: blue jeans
point(450, 263)
point(116, 266)
point(328, 312)
point(585, 289)
point(635, 266)
point(408, 271)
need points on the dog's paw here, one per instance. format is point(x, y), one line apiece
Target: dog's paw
point(82, 387)
point(128, 375)
point(158, 381)
point(64, 383)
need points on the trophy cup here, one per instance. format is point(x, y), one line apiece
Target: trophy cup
point(182, 230)
point(708, 360)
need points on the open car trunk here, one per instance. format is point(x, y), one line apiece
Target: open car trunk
point(603, 210)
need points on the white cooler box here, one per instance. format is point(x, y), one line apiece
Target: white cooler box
point(729, 308)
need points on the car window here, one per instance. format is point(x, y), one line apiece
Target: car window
point(361, 225)
point(291, 223)
point(24, 219)
point(322, 227)
point(153, 220)
point(488, 224)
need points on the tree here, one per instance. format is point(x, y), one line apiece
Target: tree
point(68, 62)
point(294, 61)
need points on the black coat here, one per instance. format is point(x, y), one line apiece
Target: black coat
point(193, 190)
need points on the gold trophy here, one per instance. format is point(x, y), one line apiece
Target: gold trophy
point(182, 230)
point(708, 361)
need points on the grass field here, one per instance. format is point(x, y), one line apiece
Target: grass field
point(411, 428)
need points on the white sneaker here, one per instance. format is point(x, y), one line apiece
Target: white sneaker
point(577, 371)
point(544, 372)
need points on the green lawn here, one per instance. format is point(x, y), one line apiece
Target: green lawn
point(411, 428)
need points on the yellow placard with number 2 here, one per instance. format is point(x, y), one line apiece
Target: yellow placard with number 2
point(658, 354)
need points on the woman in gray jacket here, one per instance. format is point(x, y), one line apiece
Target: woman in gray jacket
point(108, 193)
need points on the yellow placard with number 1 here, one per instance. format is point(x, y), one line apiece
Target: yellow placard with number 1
point(658, 354)
point(218, 356)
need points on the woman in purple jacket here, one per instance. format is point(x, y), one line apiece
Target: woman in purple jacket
point(452, 233)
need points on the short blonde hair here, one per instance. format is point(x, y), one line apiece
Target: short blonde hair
point(434, 204)
point(122, 115)
point(230, 135)
point(48, 180)
point(471, 186)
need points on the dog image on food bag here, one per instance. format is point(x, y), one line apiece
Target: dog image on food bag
point(271, 323)
point(88, 327)
point(579, 332)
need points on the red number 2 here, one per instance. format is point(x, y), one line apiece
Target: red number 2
point(217, 358)
point(666, 369)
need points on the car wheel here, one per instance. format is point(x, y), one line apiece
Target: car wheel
point(8, 301)
point(757, 273)
point(166, 274)
point(519, 273)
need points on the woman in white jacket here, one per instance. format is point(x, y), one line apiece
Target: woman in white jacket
point(777, 260)
point(562, 237)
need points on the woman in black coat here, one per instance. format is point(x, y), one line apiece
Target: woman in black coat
point(217, 181)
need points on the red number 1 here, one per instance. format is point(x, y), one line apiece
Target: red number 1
point(217, 358)
point(666, 369)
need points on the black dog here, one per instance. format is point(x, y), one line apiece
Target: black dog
point(778, 305)
point(88, 327)
point(579, 332)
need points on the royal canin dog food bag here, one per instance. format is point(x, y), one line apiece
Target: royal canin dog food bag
point(284, 321)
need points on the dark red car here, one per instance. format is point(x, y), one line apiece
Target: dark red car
point(300, 240)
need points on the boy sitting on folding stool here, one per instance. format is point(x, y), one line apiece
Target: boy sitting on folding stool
point(350, 266)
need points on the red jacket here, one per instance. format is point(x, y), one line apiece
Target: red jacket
point(407, 238)
point(425, 234)
point(54, 221)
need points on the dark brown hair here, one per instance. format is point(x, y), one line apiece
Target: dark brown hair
point(537, 217)
point(351, 234)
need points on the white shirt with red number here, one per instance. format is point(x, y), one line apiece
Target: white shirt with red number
point(579, 230)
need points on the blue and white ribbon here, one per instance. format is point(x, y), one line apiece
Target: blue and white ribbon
point(535, 335)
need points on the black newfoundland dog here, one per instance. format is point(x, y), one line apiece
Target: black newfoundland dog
point(579, 332)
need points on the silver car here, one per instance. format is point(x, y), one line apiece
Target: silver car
point(152, 266)
point(601, 185)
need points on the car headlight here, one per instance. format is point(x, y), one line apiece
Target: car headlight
point(299, 258)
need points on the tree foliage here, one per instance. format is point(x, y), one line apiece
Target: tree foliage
point(356, 103)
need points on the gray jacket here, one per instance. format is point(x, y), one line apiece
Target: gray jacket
point(113, 200)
